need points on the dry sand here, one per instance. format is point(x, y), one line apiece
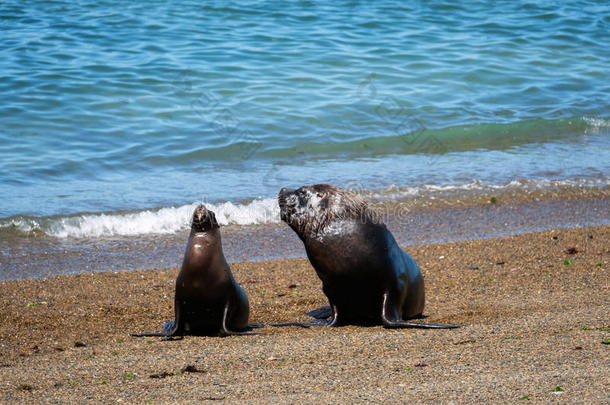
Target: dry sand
point(535, 318)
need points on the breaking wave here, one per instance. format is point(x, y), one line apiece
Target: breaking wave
point(169, 220)
point(153, 221)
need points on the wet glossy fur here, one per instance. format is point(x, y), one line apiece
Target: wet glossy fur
point(365, 275)
point(208, 300)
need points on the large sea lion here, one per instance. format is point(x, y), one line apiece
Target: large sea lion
point(366, 276)
point(208, 300)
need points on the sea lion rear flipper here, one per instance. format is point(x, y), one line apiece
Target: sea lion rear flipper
point(321, 313)
point(325, 312)
point(398, 324)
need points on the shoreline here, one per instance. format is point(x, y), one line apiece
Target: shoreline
point(446, 219)
point(534, 318)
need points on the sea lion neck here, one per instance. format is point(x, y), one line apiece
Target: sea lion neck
point(206, 233)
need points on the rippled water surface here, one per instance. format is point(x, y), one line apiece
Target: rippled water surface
point(110, 106)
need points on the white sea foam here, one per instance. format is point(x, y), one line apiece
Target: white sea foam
point(162, 221)
point(432, 190)
point(597, 124)
point(259, 211)
point(158, 221)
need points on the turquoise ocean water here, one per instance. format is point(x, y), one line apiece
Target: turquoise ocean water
point(117, 117)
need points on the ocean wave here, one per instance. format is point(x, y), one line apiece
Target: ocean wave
point(597, 125)
point(165, 220)
point(169, 220)
point(433, 191)
point(410, 136)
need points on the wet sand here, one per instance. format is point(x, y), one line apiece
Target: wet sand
point(534, 315)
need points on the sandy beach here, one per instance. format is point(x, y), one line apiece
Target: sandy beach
point(534, 310)
point(478, 131)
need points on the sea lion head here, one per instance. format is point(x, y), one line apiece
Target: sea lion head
point(310, 209)
point(203, 219)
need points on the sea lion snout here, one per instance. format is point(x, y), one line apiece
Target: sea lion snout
point(284, 197)
point(200, 213)
point(287, 201)
point(284, 192)
point(203, 219)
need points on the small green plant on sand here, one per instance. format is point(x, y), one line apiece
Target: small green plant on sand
point(103, 382)
point(568, 262)
point(525, 397)
point(557, 389)
point(585, 328)
point(30, 304)
point(130, 375)
point(606, 341)
point(493, 200)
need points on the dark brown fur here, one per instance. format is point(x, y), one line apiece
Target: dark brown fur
point(208, 300)
point(365, 275)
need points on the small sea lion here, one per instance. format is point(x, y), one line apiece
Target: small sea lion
point(366, 276)
point(208, 300)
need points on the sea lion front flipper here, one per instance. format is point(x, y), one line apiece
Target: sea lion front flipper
point(334, 320)
point(224, 330)
point(175, 327)
point(398, 324)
